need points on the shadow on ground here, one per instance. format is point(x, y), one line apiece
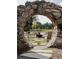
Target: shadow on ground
point(24, 57)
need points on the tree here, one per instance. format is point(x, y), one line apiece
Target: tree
point(36, 25)
point(47, 26)
point(28, 24)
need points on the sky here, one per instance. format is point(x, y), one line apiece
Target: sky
point(42, 19)
point(23, 1)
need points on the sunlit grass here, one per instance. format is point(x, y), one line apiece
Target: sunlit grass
point(38, 41)
point(46, 30)
point(42, 30)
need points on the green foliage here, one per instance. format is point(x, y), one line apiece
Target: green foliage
point(37, 25)
point(28, 24)
point(34, 24)
point(47, 26)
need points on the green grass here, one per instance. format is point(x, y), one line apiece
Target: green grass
point(42, 30)
point(37, 41)
point(46, 30)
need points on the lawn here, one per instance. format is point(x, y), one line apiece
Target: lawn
point(42, 30)
point(46, 30)
point(38, 41)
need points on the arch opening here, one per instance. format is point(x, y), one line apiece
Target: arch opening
point(38, 31)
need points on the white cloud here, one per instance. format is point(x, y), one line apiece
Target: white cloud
point(43, 19)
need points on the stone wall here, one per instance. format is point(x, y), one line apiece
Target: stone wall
point(24, 12)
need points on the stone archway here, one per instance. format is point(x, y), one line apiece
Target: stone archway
point(51, 10)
